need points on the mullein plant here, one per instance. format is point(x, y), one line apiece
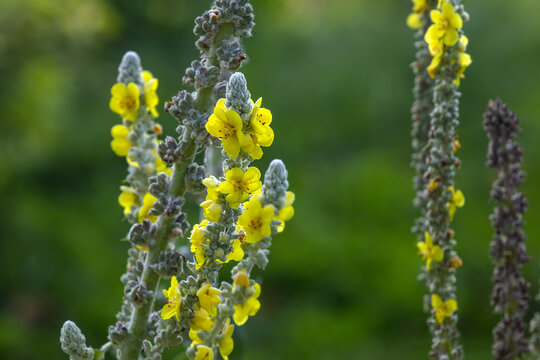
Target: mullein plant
point(510, 295)
point(241, 212)
point(435, 142)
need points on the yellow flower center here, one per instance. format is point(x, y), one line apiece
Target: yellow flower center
point(228, 130)
point(127, 103)
point(260, 118)
point(256, 223)
point(444, 24)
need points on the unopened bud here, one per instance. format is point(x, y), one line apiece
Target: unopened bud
point(241, 278)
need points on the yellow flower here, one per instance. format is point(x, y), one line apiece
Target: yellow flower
point(125, 100)
point(442, 309)
point(429, 251)
point(456, 200)
point(161, 166)
point(127, 199)
point(226, 343)
point(211, 184)
point(414, 21)
point(204, 353)
point(436, 50)
point(287, 212)
point(464, 60)
point(174, 300)
point(211, 210)
point(198, 237)
point(261, 133)
point(120, 144)
point(237, 253)
point(144, 211)
point(201, 320)
point(249, 308)
point(445, 23)
point(150, 96)
point(195, 339)
point(420, 6)
point(255, 220)
point(227, 126)
point(457, 145)
point(239, 185)
point(208, 298)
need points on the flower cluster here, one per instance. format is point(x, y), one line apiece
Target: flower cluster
point(241, 210)
point(134, 98)
point(240, 216)
point(227, 125)
point(444, 32)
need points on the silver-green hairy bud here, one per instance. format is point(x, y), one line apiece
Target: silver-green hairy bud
point(74, 343)
point(275, 184)
point(130, 69)
point(237, 96)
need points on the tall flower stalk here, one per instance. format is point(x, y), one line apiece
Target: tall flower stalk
point(241, 212)
point(435, 162)
point(421, 109)
point(510, 295)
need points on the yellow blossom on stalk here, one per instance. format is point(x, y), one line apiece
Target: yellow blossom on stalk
point(227, 126)
point(420, 6)
point(237, 254)
point(445, 24)
point(208, 298)
point(457, 145)
point(195, 339)
point(211, 210)
point(442, 309)
point(198, 237)
point(239, 185)
point(125, 100)
point(226, 343)
point(287, 212)
point(255, 220)
point(249, 308)
point(464, 60)
point(429, 251)
point(174, 300)
point(204, 353)
point(436, 48)
point(433, 185)
point(151, 99)
point(201, 320)
point(144, 211)
point(456, 200)
point(261, 134)
point(120, 144)
point(127, 199)
point(211, 184)
point(414, 20)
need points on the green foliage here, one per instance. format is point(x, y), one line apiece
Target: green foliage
point(342, 278)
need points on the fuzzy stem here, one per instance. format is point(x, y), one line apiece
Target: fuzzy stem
point(150, 278)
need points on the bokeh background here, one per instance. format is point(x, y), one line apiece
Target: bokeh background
point(341, 282)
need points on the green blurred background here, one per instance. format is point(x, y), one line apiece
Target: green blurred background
point(341, 282)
